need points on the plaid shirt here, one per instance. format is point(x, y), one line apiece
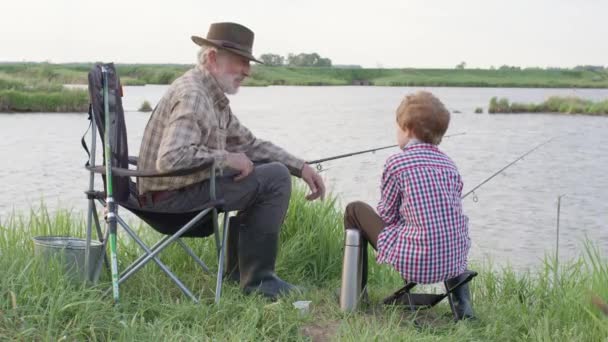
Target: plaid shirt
point(427, 237)
point(193, 124)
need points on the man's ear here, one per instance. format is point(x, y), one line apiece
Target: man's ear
point(212, 59)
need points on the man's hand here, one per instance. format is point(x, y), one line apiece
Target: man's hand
point(314, 181)
point(241, 163)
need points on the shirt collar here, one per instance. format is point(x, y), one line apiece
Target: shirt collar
point(412, 142)
point(215, 91)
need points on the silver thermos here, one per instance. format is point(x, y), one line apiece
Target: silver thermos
point(352, 271)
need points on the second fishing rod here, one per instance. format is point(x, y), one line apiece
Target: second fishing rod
point(318, 161)
point(472, 191)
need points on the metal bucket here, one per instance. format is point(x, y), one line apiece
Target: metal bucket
point(71, 252)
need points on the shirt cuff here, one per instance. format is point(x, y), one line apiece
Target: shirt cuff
point(295, 166)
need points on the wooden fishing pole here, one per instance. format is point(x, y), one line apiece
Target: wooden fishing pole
point(111, 205)
point(318, 161)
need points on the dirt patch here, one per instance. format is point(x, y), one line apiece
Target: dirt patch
point(320, 332)
point(432, 318)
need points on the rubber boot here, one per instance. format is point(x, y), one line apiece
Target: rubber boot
point(257, 256)
point(462, 299)
point(232, 251)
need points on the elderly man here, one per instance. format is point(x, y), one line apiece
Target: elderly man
point(193, 124)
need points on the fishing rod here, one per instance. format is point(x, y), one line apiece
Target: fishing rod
point(319, 161)
point(111, 217)
point(472, 191)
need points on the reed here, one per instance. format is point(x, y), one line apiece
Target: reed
point(38, 303)
point(554, 104)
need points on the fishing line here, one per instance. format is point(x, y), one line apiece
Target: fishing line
point(373, 150)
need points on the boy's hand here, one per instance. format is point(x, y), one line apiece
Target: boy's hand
point(315, 183)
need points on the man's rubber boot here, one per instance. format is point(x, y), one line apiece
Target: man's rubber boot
point(257, 256)
point(232, 251)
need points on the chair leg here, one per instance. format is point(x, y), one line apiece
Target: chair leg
point(451, 301)
point(410, 301)
point(151, 255)
point(193, 255)
point(87, 248)
point(216, 231)
point(141, 257)
point(93, 219)
point(168, 241)
point(221, 251)
point(99, 234)
point(104, 256)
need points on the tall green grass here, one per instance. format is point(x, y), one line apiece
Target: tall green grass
point(66, 100)
point(137, 74)
point(38, 303)
point(555, 104)
point(431, 77)
point(40, 89)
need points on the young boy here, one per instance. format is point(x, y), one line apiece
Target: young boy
point(420, 228)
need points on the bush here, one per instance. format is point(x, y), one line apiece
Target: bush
point(145, 107)
point(40, 101)
point(554, 104)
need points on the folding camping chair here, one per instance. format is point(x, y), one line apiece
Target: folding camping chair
point(174, 226)
point(419, 301)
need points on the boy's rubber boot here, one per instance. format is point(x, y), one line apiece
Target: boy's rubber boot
point(462, 299)
point(257, 256)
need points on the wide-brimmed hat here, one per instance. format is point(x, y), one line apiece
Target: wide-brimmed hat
point(231, 37)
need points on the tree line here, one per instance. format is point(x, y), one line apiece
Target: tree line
point(296, 60)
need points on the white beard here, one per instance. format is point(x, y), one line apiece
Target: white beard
point(227, 81)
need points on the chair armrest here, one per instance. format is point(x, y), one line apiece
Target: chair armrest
point(133, 160)
point(117, 171)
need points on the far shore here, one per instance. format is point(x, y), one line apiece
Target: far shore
point(39, 87)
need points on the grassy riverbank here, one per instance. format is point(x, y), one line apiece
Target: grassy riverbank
point(433, 77)
point(555, 104)
point(133, 74)
point(64, 101)
point(23, 85)
point(39, 89)
point(37, 303)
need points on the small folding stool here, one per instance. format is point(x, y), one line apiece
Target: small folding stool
point(419, 301)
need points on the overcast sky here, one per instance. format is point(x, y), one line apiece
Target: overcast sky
point(378, 33)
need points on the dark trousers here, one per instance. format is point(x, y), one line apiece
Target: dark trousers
point(261, 198)
point(363, 217)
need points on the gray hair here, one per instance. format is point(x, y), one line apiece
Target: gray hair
point(205, 50)
point(203, 54)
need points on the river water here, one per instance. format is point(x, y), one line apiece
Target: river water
point(512, 222)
